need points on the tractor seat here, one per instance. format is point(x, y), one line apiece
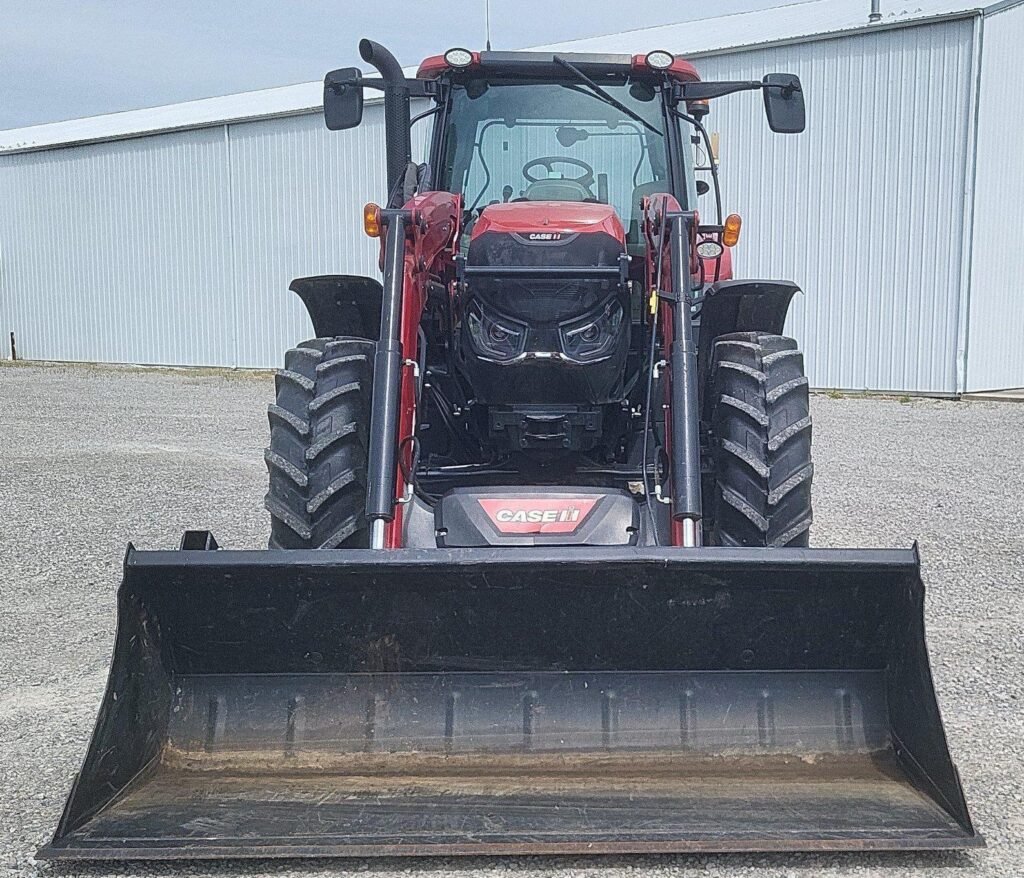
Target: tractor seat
point(557, 190)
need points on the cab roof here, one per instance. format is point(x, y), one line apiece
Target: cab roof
point(530, 64)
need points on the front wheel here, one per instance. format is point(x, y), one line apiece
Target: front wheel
point(319, 434)
point(761, 442)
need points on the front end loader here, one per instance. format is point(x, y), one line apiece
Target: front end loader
point(538, 577)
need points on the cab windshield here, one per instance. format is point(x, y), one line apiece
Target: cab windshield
point(547, 141)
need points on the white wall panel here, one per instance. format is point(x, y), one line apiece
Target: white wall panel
point(995, 348)
point(297, 193)
point(178, 248)
point(117, 252)
point(865, 209)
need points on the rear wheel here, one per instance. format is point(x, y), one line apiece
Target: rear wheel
point(761, 441)
point(319, 431)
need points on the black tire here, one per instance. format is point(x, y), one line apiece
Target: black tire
point(319, 432)
point(761, 442)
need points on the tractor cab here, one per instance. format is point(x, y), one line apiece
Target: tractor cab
point(524, 127)
point(553, 163)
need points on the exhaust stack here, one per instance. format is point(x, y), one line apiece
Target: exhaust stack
point(396, 114)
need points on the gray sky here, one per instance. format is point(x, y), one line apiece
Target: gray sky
point(61, 59)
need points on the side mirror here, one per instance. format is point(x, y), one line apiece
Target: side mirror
point(703, 187)
point(343, 98)
point(784, 103)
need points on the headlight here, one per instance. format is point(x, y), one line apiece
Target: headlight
point(595, 338)
point(659, 59)
point(495, 338)
point(458, 57)
point(709, 249)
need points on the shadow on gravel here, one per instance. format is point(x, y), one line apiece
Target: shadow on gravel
point(807, 864)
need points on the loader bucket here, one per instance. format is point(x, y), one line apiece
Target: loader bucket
point(358, 703)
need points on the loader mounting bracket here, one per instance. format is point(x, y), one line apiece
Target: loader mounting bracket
point(198, 540)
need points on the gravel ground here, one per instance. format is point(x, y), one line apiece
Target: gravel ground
point(93, 457)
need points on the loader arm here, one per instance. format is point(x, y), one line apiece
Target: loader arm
point(416, 247)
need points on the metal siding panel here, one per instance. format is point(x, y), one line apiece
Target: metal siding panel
point(297, 197)
point(995, 353)
point(864, 210)
point(297, 191)
point(179, 248)
point(786, 22)
point(791, 22)
point(116, 252)
point(123, 251)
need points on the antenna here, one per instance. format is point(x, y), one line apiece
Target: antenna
point(487, 23)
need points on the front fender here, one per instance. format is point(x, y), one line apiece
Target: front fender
point(341, 304)
point(740, 306)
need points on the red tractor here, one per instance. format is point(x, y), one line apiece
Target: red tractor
point(557, 338)
point(537, 578)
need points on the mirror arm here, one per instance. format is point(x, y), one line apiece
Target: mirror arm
point(418, 88)
point(699, 91)
point(787, 90)
point(703, 91)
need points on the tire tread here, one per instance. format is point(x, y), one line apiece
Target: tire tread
point(761, 442)
point(319, 434)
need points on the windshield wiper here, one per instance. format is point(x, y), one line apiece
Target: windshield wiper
point(601, 93)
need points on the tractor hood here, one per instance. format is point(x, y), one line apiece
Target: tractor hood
point(549, 221)
point(546, 305)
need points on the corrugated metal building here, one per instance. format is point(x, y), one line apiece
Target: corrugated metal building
point(170, 235)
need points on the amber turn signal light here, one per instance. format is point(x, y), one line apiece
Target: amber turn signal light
point(731, 230)
point(371, 220)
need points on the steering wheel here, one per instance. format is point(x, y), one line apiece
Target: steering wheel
point(586, 179)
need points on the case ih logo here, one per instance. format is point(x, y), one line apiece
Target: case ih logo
point(537, 515)
point(545, 236)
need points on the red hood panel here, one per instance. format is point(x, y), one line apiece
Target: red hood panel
point(550, 217)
